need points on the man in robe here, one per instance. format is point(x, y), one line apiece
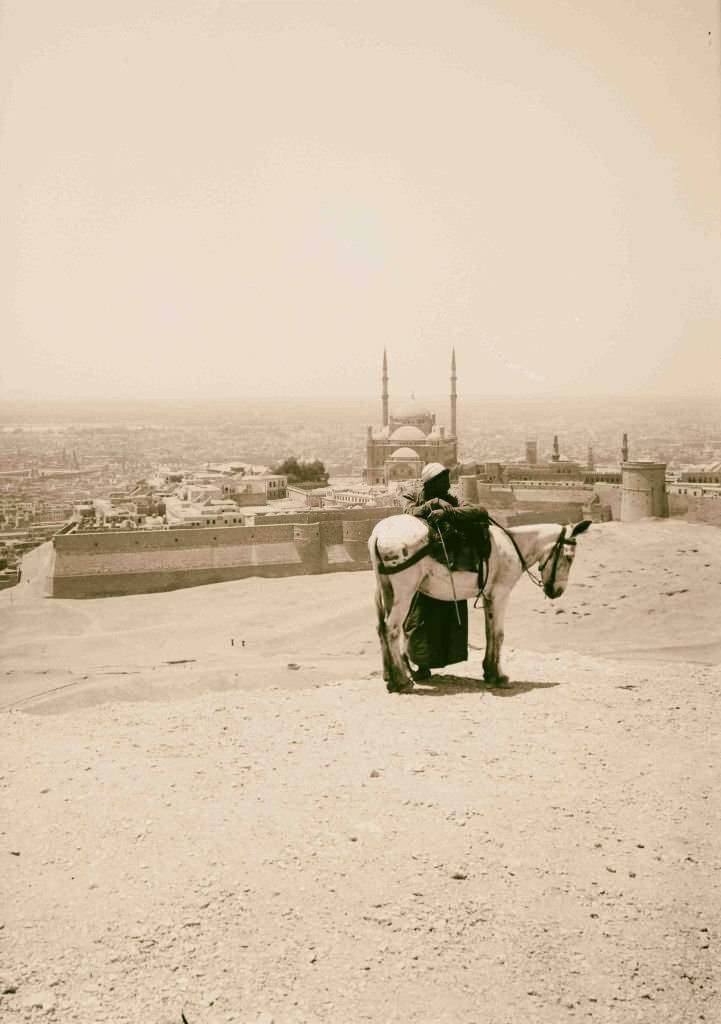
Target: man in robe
point(437, 631)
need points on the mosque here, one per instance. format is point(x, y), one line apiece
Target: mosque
point(409, 438)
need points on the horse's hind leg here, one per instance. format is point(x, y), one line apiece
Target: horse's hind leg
point(399, 670)
point(384, 593)
point(495, 611)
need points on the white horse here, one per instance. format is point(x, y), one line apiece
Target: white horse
point(399, 553)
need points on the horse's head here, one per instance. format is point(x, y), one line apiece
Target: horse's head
point(557, 558)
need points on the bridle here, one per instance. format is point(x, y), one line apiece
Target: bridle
point(555, 553)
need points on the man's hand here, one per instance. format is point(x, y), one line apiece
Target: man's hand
point(438, 504)
point(437, 516)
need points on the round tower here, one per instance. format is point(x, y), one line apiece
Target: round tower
point(469, 488)
point(643, 491)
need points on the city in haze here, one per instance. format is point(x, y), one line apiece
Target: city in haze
point(133, 438)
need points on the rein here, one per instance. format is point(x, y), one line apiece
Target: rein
point(554, 554)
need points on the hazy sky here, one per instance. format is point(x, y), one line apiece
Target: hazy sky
point(221, 198)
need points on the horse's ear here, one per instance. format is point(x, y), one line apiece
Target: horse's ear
point(580, 527)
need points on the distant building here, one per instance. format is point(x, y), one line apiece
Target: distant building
point(409, 437)
point(362, 495)
point(553, 488)
point(208, 513)
point(708, 474)
point(553, 468)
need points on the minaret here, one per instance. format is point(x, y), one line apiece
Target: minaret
point(454, 393)
point(384, 395)
point(624, 449)
point(556, 453)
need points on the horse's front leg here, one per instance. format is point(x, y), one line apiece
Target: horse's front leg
point(495, 611)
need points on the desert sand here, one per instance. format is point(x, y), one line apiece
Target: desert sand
point(212, 808)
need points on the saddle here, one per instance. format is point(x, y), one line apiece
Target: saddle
point(465, 534)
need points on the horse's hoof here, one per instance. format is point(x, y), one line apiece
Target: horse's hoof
point(497, 682)
point(404, 687)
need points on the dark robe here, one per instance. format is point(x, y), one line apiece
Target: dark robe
point(435, 637)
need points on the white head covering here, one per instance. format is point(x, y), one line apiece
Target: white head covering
point(432, 470)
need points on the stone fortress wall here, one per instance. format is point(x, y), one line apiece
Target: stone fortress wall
point(138, 562)
point(694, 509)
point(111, 563)
point(680, 506)
point(313, 541)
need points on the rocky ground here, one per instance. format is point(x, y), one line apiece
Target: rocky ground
point(193, 828)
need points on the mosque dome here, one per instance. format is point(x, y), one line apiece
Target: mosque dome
point(404, 453)
point(408, 433)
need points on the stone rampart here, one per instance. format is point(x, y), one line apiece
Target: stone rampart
point(610, 496)
point(531, 496)
point(549, 512)
point(695, 509)
point(109, 563)
point(495, 497)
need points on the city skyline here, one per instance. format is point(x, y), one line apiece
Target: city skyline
point(219, 201)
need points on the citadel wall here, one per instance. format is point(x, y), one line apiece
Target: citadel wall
point(610, 496)
point(514, 506)
point(136, 562)
point(680, 506)
point(107, 563)
point(547, 512)
point(695, 509)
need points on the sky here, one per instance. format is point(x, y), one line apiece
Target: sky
point(219, 199)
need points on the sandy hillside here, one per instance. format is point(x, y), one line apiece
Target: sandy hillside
point(211, 806)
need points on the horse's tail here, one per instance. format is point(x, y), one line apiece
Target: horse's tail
point(384, 606)
point(384, 587)
point(373, 550)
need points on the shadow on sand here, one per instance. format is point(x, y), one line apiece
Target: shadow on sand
point(442, 685)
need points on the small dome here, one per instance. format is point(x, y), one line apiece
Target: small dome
point(408, 434)
point(404, 453)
